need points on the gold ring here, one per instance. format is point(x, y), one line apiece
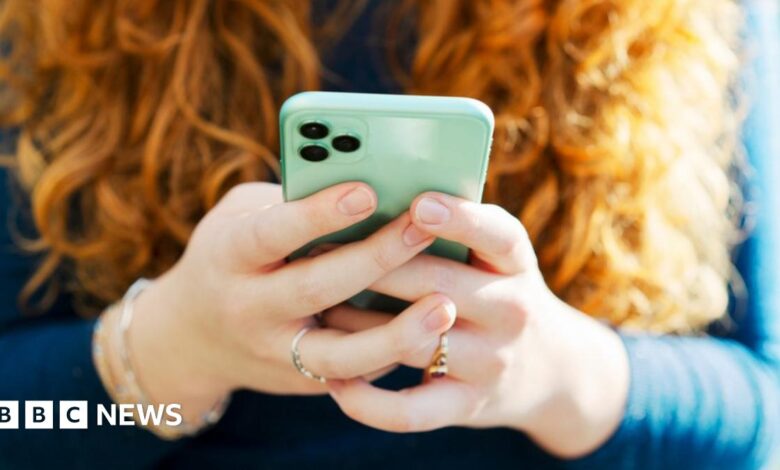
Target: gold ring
point(438, 366)
point(296, 357)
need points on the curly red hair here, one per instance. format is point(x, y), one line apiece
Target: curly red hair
point(615, 142)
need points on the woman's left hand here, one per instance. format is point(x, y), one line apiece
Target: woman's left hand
point(519, 357)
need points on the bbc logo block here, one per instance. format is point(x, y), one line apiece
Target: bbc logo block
point(40, 414)
point(73, 415)
point(9, 415)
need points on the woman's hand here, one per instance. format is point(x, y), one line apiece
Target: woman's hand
point(518, 356)
point(224, 316)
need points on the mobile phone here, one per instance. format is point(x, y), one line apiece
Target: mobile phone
point(400, 145)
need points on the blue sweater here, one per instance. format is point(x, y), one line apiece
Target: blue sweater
point(707, 402)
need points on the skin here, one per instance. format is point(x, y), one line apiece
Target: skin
point(223, 318)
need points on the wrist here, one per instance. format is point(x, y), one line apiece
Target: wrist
point(587, 400)
point(172, 358)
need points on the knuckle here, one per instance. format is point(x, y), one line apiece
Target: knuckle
point(236, 320)
point(497, 364)
point(406, 347)
point(402, 343)
point(312, 293)
point(246, 233)
point(259, 229)
point(505, 247)
point(514, 312)
point(499, 211)
point(383, 258)
point(312, 216)
point(523, 241)
point(237, 192)
point(472, 224)
point(520, 247)
point(330, 365)
point(442, 277)
point(243, 195)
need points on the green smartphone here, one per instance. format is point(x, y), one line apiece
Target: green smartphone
point(400, 145)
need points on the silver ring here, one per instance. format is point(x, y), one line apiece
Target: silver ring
point(296, 357)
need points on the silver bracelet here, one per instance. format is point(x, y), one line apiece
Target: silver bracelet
point(125, 319)
point(164, 430)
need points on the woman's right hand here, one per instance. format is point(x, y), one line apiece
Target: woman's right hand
point(224, 316)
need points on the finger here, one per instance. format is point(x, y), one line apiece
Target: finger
point(484, 298)
point(310, 285)
point(494, 236)
point(380, 373)
point(269, 234)
point(244, 197)
point(439, 403)
point(469, 357)
point(337, 354)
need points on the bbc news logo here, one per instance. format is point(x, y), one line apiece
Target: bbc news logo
point(74, 414)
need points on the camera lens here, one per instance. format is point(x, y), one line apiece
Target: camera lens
point(313, 130)
point(346, 143)
point(314, 153)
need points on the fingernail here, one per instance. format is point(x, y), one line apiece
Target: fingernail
point(439, 317)
point(356, 201)
point(413, 236)
point(431, 211)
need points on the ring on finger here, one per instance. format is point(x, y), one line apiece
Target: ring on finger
point(296, 356)
point(438, 367)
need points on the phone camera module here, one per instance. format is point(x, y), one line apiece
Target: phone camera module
point(314, 130)
point(345, 143)
point(314, 153)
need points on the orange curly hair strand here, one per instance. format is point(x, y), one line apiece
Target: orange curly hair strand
point(616, 132)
